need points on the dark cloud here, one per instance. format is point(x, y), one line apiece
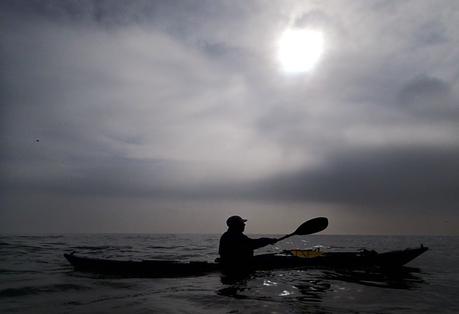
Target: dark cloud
point(424, 89)
point(430, 97)
point(410, 178)
point(432, 33)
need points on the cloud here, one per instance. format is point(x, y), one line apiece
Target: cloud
point(431, 98)
point(108, 106)
point(184, 100)
point(388, 178)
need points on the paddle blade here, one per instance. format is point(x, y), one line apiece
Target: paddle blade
point(312, 226)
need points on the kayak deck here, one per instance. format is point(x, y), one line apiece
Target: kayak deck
point(147, 268)
point(159, 268)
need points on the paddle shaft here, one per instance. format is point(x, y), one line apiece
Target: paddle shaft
point(285, 237)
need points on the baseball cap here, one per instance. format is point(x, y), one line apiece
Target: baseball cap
point(233, 220)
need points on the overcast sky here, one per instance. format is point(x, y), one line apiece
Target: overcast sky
point(169, 116)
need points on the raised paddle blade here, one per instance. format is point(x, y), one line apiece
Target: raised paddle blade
point(312, 226)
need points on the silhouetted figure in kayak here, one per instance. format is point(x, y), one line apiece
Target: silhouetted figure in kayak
point(236, 249)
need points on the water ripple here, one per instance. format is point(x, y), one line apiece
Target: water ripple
point(23, 291)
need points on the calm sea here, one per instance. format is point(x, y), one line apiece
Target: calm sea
point(35, 278)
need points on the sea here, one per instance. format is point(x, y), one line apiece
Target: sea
point(36, 278)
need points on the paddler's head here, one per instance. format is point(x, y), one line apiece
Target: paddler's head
point(236, 223)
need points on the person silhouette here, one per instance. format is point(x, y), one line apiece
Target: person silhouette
point(236, 249)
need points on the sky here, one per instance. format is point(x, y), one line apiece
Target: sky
point(170, 116)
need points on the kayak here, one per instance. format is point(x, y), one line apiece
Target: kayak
point(291, 259)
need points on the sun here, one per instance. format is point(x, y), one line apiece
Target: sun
point(299, 49)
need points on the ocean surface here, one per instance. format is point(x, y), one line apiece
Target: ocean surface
point(35, 278)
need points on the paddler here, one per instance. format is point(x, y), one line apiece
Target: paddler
point(236, 248)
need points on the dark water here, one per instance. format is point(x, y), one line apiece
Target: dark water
point(35, 278)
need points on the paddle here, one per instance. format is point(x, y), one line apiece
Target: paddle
point(311, 226)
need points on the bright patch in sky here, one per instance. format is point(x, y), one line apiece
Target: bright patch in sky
point(300, 49)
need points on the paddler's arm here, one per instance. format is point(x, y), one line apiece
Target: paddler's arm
point(261, 242)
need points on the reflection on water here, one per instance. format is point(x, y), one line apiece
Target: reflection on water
point(312, 286)
point(233, 291)
point(312, 290)
point(402, 278)
point(234, 284)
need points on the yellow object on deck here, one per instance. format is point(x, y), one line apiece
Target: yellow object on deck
point(306, 253)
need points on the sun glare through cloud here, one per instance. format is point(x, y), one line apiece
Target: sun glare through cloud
point(299, 50)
